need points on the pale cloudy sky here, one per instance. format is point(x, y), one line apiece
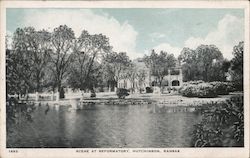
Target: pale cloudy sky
point(137, 31)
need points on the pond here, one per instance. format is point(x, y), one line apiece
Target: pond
point(104, 126)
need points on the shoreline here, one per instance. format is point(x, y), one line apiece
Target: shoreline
point(163, 100)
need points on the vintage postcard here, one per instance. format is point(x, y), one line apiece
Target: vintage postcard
point(124, 79)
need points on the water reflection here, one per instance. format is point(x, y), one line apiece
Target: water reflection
point(106, 126)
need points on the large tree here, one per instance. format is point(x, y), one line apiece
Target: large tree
point(115, 65)
point(88, 52)
point(207, 55)
point(188, 58)
point(28, 58)
point(38, 48)
point(204, 63)
point(62, 41)
point(132, 76)
point(16, 72)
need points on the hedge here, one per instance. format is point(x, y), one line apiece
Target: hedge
point(205, 89)
point(221, 88)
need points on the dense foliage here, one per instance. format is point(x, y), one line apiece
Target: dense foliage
point(205, 89)
point(236, 70)
point(222, 124)
point(222, 88)
point(114, 66)
point(205, 63)
point(160, 64)
point(122, 93)
point(53, 60)
point(149, 90)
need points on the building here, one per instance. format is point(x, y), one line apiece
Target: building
point(173, 79)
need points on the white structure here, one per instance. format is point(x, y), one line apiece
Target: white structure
point(173, 79)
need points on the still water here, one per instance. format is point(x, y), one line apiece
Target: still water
point(129, 126)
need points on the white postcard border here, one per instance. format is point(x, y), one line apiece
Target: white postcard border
point(72, 152)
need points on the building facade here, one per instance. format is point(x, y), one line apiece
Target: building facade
point(173, 79)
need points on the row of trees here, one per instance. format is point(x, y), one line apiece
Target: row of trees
point(41, 60)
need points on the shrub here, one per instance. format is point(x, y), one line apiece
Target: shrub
point(221, 88)
point(206, 90)
point(188, 91)
point(237, 86)
point(149, 90)
point(201, 90)
point(231, 87)
point(222, 124)
point(122, 93)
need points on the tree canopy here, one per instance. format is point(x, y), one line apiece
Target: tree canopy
point(205, 63)
point(237, 65)
point(115, 65)
point(159, 64)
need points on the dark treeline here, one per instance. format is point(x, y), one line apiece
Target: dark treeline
point(48, 61)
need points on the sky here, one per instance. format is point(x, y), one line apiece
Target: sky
point(138, 31)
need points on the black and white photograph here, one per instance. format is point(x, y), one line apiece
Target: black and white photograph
point(137, 78)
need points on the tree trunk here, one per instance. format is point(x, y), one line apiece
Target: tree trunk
point(58, 91)
point(37, 86)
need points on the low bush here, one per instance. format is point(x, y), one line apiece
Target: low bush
point(188, 91)
point(206, 89)
point(202, 90)
point(122, 93)
point(149, 90)
point(221, 88)
point(237, 86)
